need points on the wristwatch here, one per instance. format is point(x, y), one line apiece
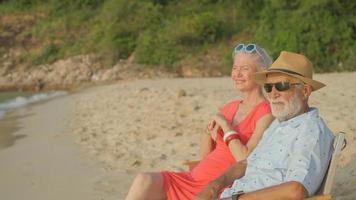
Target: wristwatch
point(236, 195)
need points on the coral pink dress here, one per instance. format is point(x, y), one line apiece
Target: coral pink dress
point(186, 185)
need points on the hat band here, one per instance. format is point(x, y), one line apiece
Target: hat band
point(287, 71)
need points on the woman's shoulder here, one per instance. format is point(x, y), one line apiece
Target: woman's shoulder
point(264, 105)
point(262, 109)
point(233, 102)
point(230, 106)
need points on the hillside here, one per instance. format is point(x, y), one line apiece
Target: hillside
point(189, 38)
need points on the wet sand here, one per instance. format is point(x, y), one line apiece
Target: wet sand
point(8, 126)
point(39, 159)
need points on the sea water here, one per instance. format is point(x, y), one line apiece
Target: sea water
point(13, 100)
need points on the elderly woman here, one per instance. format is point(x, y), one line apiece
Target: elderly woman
point(231, 135)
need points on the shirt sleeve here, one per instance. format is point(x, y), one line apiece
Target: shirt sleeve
point(309, 159)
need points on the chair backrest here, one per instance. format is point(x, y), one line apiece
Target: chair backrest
point(339, 144)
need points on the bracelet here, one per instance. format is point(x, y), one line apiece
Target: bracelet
point(227, 134)
point(237, 195)
point(230, 138)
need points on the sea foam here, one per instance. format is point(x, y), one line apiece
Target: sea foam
point(20, 101)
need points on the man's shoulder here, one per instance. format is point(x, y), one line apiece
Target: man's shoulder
point(314, 125)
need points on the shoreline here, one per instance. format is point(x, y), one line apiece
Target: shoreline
point(8, 127)
point(40, 160)
point(10, 101)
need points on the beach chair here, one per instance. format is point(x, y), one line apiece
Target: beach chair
point(324, 192)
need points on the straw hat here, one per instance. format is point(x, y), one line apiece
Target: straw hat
point(292, 64)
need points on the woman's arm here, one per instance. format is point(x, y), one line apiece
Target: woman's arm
point(241, 151)
point(209, 139)
point(206, 146)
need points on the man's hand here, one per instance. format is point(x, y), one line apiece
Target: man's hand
point(210, 192)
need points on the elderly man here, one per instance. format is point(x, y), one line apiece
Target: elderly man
point(292, 157)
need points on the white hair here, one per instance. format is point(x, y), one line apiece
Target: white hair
point(264, 61)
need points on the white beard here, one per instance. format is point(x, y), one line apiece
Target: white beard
point(285, 110)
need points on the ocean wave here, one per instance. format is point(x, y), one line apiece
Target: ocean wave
point(20, 101)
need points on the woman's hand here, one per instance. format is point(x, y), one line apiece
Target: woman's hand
point(220, 120)
point(212, 129)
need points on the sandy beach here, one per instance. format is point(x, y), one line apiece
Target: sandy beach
point(105, 135)
point(39, 159)
point(152, 125)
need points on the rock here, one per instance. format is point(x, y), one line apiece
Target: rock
point(196, 108)
point(107, 75)
point(95, 77)
point(3, 71)
point(39, 85)
point(163, 157)
point(136, 163)
point(8, 64)
point(193, 144)
point(189, 71)
point(68, 72)
point(181, 93)
point(3, 80)
point(178, 134)
point(143, 89)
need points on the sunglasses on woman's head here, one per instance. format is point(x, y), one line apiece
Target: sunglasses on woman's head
point(249, 48)
point(280, 86)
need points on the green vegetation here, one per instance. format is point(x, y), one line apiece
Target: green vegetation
point(323, 30)
point(165, 32)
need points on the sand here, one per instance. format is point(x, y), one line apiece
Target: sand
point(91, 144)
point(39, 159)
point(151, 125)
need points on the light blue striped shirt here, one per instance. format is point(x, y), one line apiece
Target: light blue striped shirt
point(298, 149)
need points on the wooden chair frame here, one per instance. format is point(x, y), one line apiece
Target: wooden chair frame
point(324, 192)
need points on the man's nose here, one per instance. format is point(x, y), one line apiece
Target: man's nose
point(274, 93)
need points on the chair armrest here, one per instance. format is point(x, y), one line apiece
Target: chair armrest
point(320, 197)
point(191, 163)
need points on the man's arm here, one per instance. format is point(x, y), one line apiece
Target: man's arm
point(287, 191)
point(211, 191)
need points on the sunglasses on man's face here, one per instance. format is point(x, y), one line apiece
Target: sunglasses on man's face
point(280, 86)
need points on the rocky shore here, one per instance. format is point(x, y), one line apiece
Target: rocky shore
point(73, 72)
